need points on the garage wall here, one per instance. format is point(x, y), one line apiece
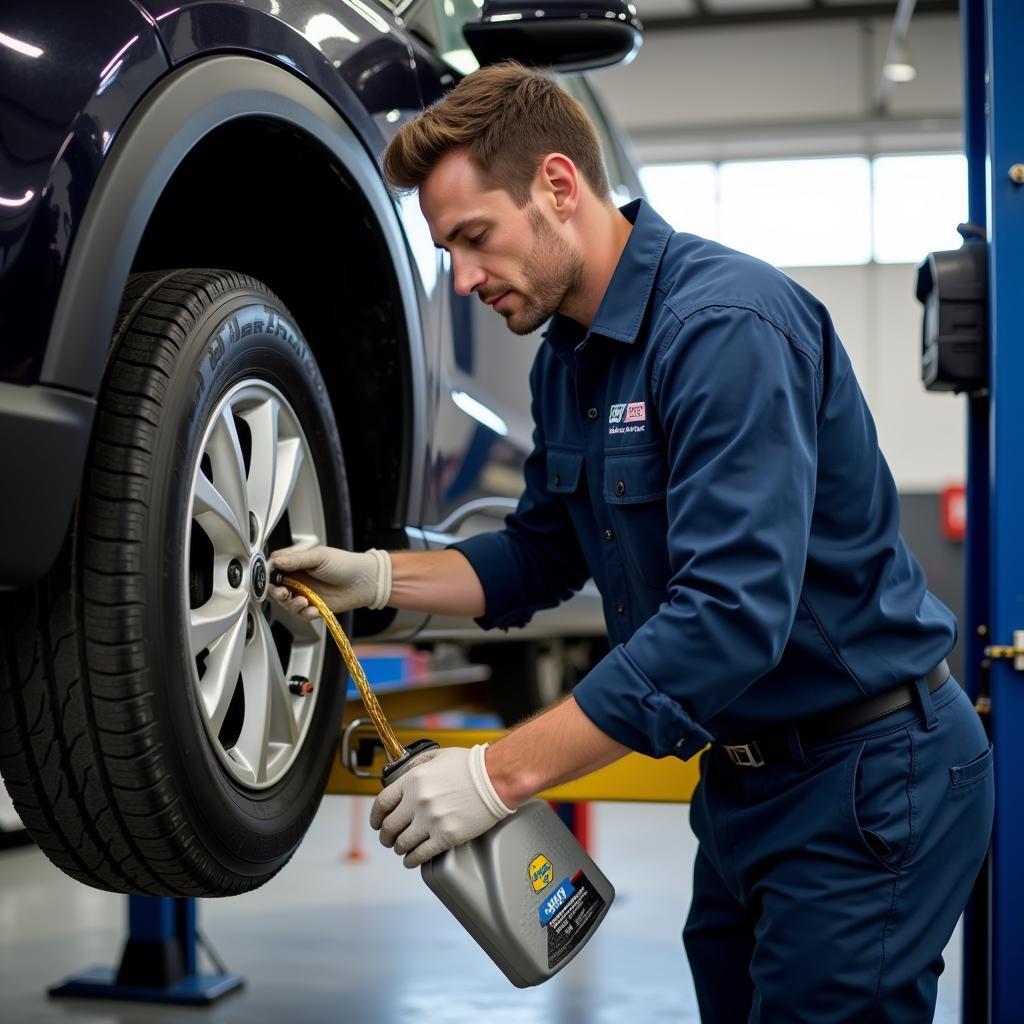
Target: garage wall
point(798, 87)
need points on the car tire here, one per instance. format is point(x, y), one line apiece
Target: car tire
point(138, 761)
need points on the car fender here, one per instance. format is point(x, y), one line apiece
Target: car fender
point(183, 108)
point(355, 54)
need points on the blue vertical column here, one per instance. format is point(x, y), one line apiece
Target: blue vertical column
point(977, 915)
point(1004, 40)
point(976, 606)
point(155, 951)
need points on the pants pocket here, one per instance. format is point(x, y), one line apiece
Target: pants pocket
point(879, 798)
point(966, 776)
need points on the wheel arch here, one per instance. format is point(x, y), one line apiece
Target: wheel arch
point(183, 120)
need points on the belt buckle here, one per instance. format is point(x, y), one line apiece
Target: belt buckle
point(746, 755)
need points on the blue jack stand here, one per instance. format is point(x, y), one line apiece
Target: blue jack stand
point(159, 960)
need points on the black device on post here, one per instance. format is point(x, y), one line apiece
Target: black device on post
point(953, 288)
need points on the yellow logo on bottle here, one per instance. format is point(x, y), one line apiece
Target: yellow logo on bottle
point(541, 873)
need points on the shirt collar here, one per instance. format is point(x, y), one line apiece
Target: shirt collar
point(625, 301)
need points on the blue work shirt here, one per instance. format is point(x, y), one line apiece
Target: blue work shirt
point(704, 451)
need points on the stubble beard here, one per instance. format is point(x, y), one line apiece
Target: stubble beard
point(553, 274)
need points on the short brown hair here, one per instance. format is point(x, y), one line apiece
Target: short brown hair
point(507, 118)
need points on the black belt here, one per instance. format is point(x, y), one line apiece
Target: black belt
point(772, 747)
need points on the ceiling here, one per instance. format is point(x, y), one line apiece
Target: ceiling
point(673, 14)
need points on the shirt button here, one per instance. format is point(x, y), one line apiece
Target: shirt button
point(680, 742)
point(592, 414)
point(608, 535)
point(620, 608)
point(557, 478)
point(620, 489)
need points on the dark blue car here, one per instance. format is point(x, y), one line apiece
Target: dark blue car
point(219, 335)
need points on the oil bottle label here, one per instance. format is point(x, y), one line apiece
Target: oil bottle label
point(571, 918)
point(554, 903)
point(541, 872)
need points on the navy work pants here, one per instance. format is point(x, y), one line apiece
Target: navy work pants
point(826, 888)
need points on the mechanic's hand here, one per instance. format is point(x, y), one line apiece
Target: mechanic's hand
point(444, 800)
point(344, 579)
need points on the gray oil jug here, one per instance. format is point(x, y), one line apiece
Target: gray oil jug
point(526, 890)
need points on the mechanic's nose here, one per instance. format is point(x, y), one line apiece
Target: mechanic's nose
point(467, 275)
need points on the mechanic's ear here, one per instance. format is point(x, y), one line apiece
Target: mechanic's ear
point(559, 182)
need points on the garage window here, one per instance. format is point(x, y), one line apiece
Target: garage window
point(686, 195)
point(797, 212)
point(918, 202)
point(830, 211)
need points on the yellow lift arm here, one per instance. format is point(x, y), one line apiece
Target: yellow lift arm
point(635, 778)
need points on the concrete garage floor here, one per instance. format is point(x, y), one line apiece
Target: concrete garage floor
point(329, 941)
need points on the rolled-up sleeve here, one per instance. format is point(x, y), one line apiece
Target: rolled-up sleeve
point(536, 560)
point(738, 400)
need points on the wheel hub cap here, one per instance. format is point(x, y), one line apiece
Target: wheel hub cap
point(258, 578)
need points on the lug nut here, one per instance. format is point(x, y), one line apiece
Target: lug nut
point(300, 686)
point(235, 573)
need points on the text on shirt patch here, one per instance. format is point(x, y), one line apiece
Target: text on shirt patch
point(635, 413)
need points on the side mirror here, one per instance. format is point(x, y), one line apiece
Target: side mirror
point(563, 36)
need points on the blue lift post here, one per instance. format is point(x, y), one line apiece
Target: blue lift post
point(159, 963)
point(1004, 87)
point(994, 120)
point(977, 915)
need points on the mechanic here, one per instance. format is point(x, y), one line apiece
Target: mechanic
point(701, 449)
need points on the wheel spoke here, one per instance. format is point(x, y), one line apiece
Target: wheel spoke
point(303, 630)
point(260, 667)
point(225, 453)
point(289, 465)
point(223, 665)
point(213, 619)
point(263, 424)
point(284, 728)
point(251, 748)
point(216, 517)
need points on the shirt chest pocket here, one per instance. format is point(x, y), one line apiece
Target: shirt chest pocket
point(564, 467)
point(565, 478)
point(635, 486)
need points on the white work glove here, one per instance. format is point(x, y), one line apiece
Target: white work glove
point(344, 579)
point(444, 800)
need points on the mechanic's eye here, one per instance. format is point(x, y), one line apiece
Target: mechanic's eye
point(477, 239)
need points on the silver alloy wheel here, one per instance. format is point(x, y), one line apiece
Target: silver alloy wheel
point(254, 489)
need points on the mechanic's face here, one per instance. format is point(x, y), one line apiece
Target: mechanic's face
point(512, 258)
